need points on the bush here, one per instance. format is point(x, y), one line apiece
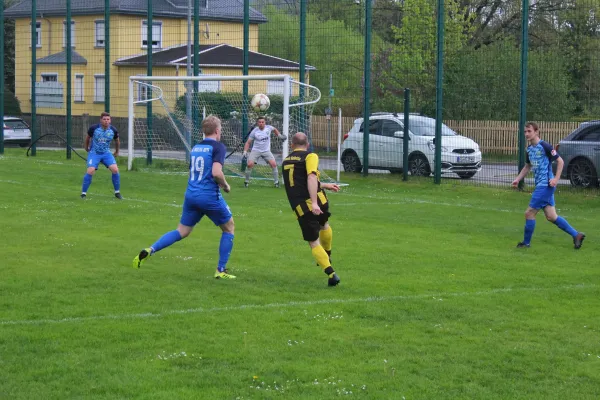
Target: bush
point(11, 104)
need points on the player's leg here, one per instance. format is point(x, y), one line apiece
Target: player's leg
point(252, 158)
point(309, 224)
point(111, 163)
point(270, 159)
point(530, 214)
point(93, 161)
point(220, 215)
point(190, 216)
point(552, 216)
point(326, 238)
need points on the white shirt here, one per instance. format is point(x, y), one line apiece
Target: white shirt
point(262, 139)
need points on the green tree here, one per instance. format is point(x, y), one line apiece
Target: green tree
point(9, 50)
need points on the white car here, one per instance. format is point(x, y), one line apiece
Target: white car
point(460, 155)
point(16, 131)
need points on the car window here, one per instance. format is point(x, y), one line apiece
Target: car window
point(15, 124)
point(374, 127)
point(389, 127)
point(590, 135)
point(426, 127)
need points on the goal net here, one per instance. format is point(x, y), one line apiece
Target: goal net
point(165, 116)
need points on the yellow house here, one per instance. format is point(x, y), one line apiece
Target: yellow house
point(221, 52)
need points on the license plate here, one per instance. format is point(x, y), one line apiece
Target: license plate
point(465, 160)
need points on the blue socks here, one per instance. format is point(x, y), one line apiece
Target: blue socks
point(87, 181)
point(564, 225)
point(225, 248)
point(116, 180)
point(166, 240)
point(529, 228)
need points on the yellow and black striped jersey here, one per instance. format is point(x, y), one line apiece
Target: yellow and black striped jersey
point(296, 169)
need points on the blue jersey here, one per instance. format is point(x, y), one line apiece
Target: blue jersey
point(101, 137)
point(540, 156)
point(202, 158)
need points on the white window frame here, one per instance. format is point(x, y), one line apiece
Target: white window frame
point(45, 75)
point(142, 93)
point(38, 34)
point(205, 2)
point(157, 24)
point(209, 86)
point(97, 38)
point(72, 33)
point(79, 88)
point(99, 96)
point(276, 87)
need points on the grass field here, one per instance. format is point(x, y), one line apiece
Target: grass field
point(435, 300)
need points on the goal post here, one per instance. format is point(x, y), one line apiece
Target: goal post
point(174, 131)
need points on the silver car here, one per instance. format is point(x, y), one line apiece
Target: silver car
point(580, 151)
point(16, 131)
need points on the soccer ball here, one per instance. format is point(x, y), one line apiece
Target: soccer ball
point(260, 102)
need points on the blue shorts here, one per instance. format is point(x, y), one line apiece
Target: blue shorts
point(542, 196)
point(195, 208)
point(94, 159)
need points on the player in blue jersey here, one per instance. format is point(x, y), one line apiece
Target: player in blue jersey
point(540, 156)
point(203, 197)
point(100, 135)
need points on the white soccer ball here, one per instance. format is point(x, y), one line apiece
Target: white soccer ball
point(260, 102)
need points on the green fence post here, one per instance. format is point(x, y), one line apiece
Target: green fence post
point(405, 137)
point(245, 68)
point(196, 64)
point(2, 83)
point(439, 93)
point(33, 127)
point(107, 56)
point(367, 92)
point(523, 94)
point(149, 73)
point(69, 54)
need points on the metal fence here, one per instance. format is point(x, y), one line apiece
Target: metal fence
point(482, 67)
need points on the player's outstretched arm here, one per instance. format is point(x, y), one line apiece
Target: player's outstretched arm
point(334, 187)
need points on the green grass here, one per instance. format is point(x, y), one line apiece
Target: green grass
point(435, 300)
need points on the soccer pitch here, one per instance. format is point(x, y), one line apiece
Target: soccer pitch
point(435, 301)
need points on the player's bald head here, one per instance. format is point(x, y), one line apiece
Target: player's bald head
point(299, 140)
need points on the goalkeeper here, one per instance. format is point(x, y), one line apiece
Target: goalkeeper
point(261, 148)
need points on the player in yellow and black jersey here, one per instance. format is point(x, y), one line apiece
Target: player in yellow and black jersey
point(309, 201)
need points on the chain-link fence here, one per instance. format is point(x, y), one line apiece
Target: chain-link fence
point(497, 72)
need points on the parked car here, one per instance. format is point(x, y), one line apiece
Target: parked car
point(460, 155)
point(16, 131)
point(580, 151)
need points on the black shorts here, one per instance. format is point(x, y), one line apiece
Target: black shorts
point(311, 224)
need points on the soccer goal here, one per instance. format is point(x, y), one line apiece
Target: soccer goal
point(165, 133)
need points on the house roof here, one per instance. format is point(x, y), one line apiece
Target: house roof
point(61, 58)
point(221, 10)
point(216, 56)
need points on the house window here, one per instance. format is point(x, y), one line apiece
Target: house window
point(38, 34)
point(143, 91)
point(79, 87)
point(156, 34)
point(276, 87)
point(209, 86)
point(51, 77)
point(99, 88)
point(99, 34)
point(204, 3)
point(72, 34)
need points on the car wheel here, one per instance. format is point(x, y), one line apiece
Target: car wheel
point(419, 166)
point(582, 173)
point(351, 162)
point(466, 175)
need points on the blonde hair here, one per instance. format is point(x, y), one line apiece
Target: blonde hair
point(210, 125)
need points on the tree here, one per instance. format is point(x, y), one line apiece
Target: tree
point(9, 50)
